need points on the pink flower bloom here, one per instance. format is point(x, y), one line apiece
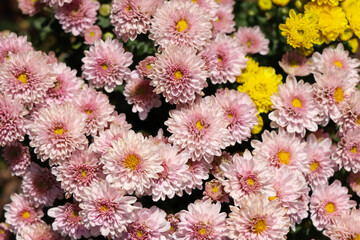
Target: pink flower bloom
point(215, 191)
point(21, 212)
point(179, 74)
point(257, 219)
point(13, 44)
point(106, 64)
point(295, 108)
point(17, 157)
point(327, 202)
point(145, 66)
point(349, 118)
point(68, 222)
point(56, 131)
point(230, 59)
point(107, 209)
point(200, 128)
point(347, 153)
point(12, 120)
point(30, 7)
point(40, 186)
point(354, 182)
point(199, 171)
point(179, 22)
point(77, 16)
point(240, 111)
point(26, 76)
point(202, 220)
point(4, 232)
point(224, 22)
point(132, 17)
point(38, 231)
point(252, 40)
point(133, 163)
point(92, 34)
point(139, 93)
point(345, 226)
point(245, 176)
point(293, 63)
point(282, 149)
point(77, 172)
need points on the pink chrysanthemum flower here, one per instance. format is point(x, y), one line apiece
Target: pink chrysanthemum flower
point(133, 163)
point(67, 85)
point(282, 149)
point(144, 67)
point(26, 76)
point(230, 59)
point(295, 108)
point(12, 114)
point(38, 231)
point(199, 171)
point(224, 22)
point(56, 3)
point(347, 153)
point(17, 157)
point(349, 118)
point(4, 231)
point(107, 209)
point(200, 128)
point(77, 172)
point(132, 17)
point(13, 44)
point(57, 131)
point(345, 226)
point(335, 59)
point(21, 212)
point(120, 121)
point(40, 186)
point(179, 74)
point(240, 111)
point(77, 16)
point(296, 64)
point(202, 220)
point(354, 182)
point(106, 64)
point(139, 93)
point(216, 163)
point(67, 221)
point(97, 108)
point(252, 40)
point(245, 176)
point(30, 7)
point(92, 34)
point(327, 202)
point(175, 176)
point(292, 192)
point(215, 191)
point(179, 23)
point(257, 219)
point(148, 224)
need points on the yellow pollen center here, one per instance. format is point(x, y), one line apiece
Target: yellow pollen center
point(230, 115)
point(34, 1)
point(59, 131)
point(131, 161)
point(357, 237)
point(2, 231)
point(250, 181)
point(88, 111)
point(84, 172)
point(354, 149)
point(148, 66)
point(248, 43)
point(128, 8)
point(314, 166)
point(194, 1)
point(284, 157)
point(104, 66)
point(181, 25)
point(220, 59)
point(259, 226)
point(202, 231)
point(357, 180)
point(296, 103)
point(57, 85)
point(139, 233)
point(92, 34)
point(338, 95)
point(75, 214)
point(178, 74)
point(358, 120)
point(330, 208)
point(25, 214)
point(104, 208)
point(23, 78)
point(215, 189)
point(272, 198)
point(199, 125)
point(338, 64)
point(293, 64)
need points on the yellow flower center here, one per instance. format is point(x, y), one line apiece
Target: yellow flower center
point(178, 74)
point(230, 115)
point(215, 189)
point(293, 64)
point(250, 181)
point(330, 207)
point(194, 1)
point(272, 198)
point(354, 149)
point(259, 226)
point(59, 131)
point(92, 34)
point(131, 161)
point(104, 66)
point(314, 166)
point(339, 95)
point(83, 173)
point(75, 213)
point(357, 237)
point(338, 64)
point(57, 85)
point(181, 25)
point(248, 43)
point(25, 214)
point(284, 157)
point(104, 208)
point(358, 120)
point(23, 78)
point(148, 66)
point(128, 8)
point(220, 59)
point(140, 233)
point(202, 231)
point(88, 111)
point(296, 103)
point(357, 180)
point(199, 125)
point(2, 231)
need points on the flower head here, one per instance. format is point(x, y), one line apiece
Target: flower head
point(13, 44)
point(252, 40)
point(294, 63)
point(17, 157)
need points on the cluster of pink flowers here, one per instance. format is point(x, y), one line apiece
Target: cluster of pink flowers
point(85, 152)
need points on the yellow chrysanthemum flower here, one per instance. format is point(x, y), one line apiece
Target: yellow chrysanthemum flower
point(352, 11)
point(260, 125)
point(299, 30)
point(354, 44)
point(281, 3)
point(251, 67)
point(265, 5)
point(260, 86)
point(329, 2)
point(331, 20)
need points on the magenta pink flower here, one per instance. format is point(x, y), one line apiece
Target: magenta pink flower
point(30, 7)
point(215, 191)
point(13, 44)
point(347, 153)
point(92, 34)
point(145, 66)
point(252, 40)
point(17, 157)
point(224, 22)
point(293, 63)
point(4, 231)
point(199, 171)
